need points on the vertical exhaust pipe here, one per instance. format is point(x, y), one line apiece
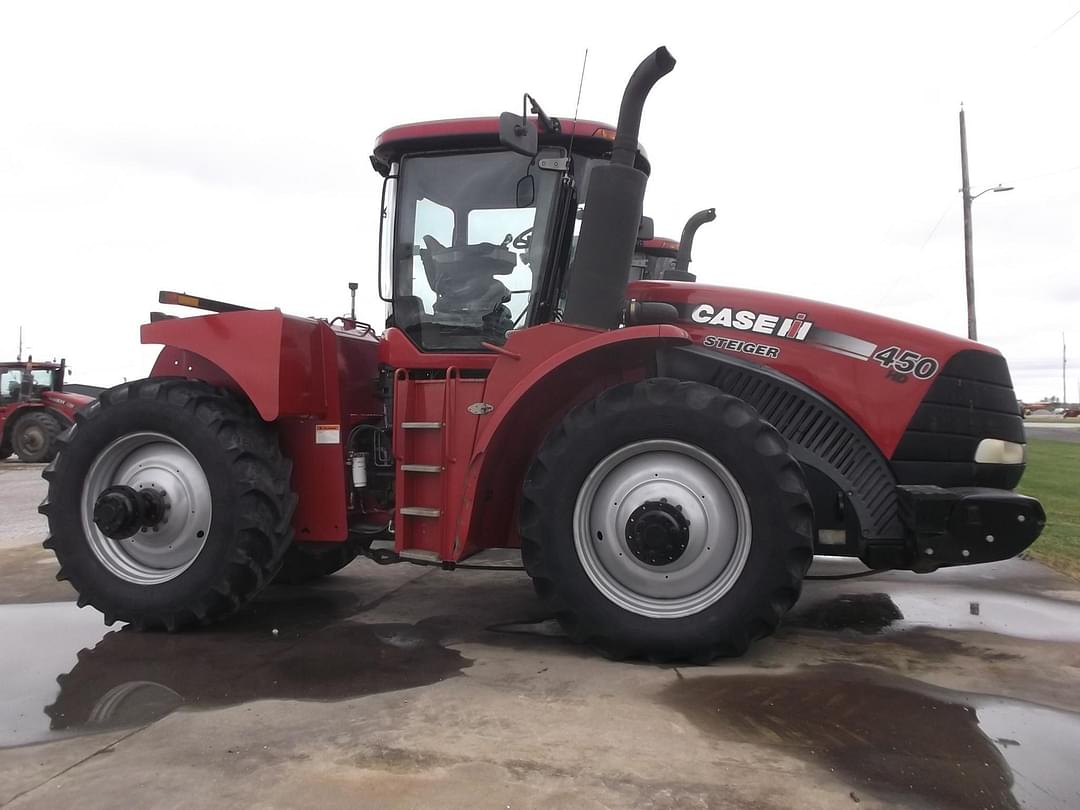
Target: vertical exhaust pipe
point(613, 210)
point(686, 244)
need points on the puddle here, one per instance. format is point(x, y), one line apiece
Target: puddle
point(1020, 616)
point(896, 738)
point(941, 608)
point(861, 612)
point(124, 678)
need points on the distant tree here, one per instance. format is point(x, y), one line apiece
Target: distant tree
point(1051, 399)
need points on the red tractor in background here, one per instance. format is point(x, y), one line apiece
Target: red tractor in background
point(666, 457)
point(34, 409)
point(659, 259)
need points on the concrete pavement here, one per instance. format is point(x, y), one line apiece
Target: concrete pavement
point(404, 687)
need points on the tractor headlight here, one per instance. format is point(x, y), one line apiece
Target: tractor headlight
point(999, 451)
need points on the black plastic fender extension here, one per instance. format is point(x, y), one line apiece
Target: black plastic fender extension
point(820, 436)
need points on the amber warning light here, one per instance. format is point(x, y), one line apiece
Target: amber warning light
point(185, 300)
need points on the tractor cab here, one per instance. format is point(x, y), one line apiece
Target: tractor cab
point(477, 233)
point(22, 381)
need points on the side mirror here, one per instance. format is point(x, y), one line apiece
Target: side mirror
point(518, 134)
point(525, 193)
point(645, 229)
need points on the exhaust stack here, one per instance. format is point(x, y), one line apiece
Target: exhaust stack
point(609, 229)
point(686, 244)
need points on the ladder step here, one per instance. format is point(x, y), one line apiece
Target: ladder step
point(421, 425)
point(421, 511)
point(424, 468)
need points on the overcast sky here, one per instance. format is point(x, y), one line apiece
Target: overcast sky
point(222, 148)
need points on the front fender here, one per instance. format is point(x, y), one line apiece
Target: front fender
point(542, 374)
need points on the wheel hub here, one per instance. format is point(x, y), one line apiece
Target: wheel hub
point(33, 439)
point(657, 533)
point(146, 508)
point(662, 528)
point(121, 511)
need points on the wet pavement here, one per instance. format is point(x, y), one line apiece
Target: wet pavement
point(291, 647)
point(404, 686)
point(895, 737)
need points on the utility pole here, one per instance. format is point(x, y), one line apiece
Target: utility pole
point(969, 258)
point(969, 198)
point(19, 358)
point(1064, 385)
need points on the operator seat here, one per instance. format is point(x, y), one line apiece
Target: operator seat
point(467, 294)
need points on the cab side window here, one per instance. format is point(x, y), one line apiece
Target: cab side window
point(10, 384)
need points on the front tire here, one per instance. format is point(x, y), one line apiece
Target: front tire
point(33, 437)
point(219, 487)
point(665, 519)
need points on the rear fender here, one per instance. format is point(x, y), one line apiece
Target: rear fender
point(545, 372)
point(276, 360)
point(286, 367)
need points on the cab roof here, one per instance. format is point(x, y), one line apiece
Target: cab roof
point(592, 137)
point(659, 246)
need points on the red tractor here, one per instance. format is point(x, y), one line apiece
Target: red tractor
point(34, 409)
point(665, 457)
point(659, 259)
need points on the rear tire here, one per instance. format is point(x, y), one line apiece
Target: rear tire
point(227, 489)
point(709, 523)
point(305, 562)
point(33, 437)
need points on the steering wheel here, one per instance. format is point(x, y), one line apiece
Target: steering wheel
point(524, 239)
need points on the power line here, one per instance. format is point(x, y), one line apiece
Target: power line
point(933, 230)
point(1049, 174)
point(901, 275)
point(1067, 21)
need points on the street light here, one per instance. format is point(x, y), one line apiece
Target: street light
point(969, 256)
point(994, 189)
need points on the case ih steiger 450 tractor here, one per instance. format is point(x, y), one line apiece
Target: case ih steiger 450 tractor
point(34, 409)
point(667, 456)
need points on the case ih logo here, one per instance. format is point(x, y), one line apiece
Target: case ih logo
point(796, 328)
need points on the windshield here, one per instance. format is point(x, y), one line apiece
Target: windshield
point(472, 236)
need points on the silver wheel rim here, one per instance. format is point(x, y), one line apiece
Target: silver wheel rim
point(150, 460)
point(33, 439)
point(703, 491)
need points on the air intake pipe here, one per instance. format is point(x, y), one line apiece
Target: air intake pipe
point(686, 244)
point(613, 209)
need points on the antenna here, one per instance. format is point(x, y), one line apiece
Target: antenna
point(577, 105)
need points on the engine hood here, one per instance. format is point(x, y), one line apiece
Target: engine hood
point(876, 369)
point(66, 403)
